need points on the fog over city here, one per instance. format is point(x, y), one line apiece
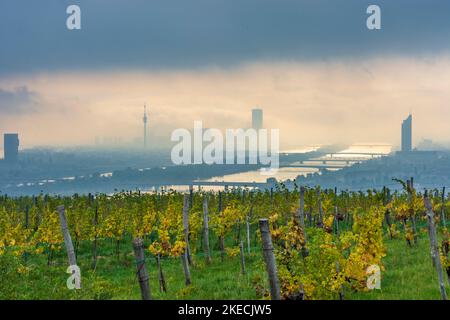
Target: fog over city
point(317, 72)
point(333, 101)
point(72, 101)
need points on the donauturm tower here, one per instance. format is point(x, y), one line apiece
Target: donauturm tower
point(145, 119)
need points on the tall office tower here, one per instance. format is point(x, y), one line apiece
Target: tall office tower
point(145, 126)
point(257, 119)
point(407, 134)
point(11, 147)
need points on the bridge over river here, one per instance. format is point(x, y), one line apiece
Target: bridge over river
point(296, 164)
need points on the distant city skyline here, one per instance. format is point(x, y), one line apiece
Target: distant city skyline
point(350, 106)
point(320, 75)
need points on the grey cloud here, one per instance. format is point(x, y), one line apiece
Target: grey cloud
point(17, 101)
point(188, 34)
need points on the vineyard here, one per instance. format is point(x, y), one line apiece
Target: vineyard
point(306, 243)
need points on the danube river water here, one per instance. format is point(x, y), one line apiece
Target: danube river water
point(355, 153)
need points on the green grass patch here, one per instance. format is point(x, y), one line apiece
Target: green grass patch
point(409, 274)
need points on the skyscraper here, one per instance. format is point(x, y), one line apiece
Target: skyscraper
point(407, 134)
point(11, 147)
point(257, 119)
point(145, 126)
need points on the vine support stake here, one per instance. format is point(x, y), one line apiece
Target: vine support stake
point(138, 246)
point(186, 226)
point(27, 218)
point(410, 187)
point(162, 281)
point(387, 213)
point(206, 230)
point(94, 245)
point(319, 200)
point(68, 240)
point(444, 222)
point(434, 245)
point(301, 221)
point(241, 249)
point(187, 272)
point(66, 234)
point(269, 259)
point(247, 224)
point(191, 196)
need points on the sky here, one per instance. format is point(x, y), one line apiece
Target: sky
point(319, 74)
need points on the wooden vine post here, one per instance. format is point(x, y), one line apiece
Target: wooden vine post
point(37, 219)
point(241, 249)
point(247, 225)
point(185, 257)
point(27, 223)
point(94, 245)
point(191, 196)
point(434, 245)
point(206, 231)
point(387, 213)
point(142, 274)
point(238, 232)
point(347, 216)
point(269, 259)
point(301, 221)
point(222, 237)
point(187, 272)
point(336, 221)
point(319, 200)
point(336, 213)
point(161, 278)
point(68, 240)
point(186, 226)
point(410, 188)
point(443, 219)
point(27, 217)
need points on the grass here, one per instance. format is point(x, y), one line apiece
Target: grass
point(409, 274)
point(215, 281)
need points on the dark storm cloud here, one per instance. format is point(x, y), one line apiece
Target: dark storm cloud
point(17, 101)
point(190, 33)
